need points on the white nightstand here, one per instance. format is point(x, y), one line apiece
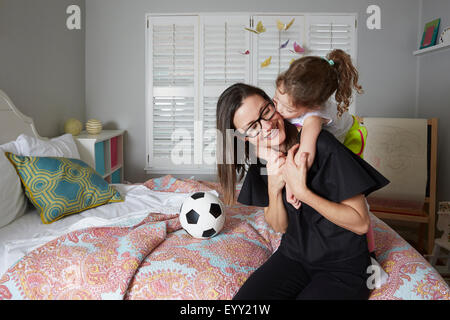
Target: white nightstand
point(103, 152)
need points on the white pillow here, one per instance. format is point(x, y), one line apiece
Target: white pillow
point(63, 146)
point(13, 202)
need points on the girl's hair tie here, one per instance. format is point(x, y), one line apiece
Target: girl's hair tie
point(330, 62)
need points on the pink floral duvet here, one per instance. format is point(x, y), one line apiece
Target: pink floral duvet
point(156, 259)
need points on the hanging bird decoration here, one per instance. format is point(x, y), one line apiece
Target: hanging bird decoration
point(297, 48)
point(282, 26)
point(246, 52)
point(266, 62)
point(284, 45)
point(259, 28)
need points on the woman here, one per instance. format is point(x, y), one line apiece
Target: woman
point(323, 251)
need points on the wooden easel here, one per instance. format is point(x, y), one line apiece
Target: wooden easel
point(426, 216)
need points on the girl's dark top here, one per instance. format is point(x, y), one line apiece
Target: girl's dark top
point(337, 174)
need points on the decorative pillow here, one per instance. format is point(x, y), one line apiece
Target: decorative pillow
point(13, 202)
point(62, 146)
point(58, 186)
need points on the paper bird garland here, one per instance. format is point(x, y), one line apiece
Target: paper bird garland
point(259, 28)
point(266, 62)
point(282, 26)
point(297, 48)
point(284, 45)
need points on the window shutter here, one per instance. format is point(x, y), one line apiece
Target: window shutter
point(223, 41)
point(172, 113)
point(173, 60)
point(191, 60)
point(328, 32)
point(325, 33)
point(222, 63)
point(268, 43)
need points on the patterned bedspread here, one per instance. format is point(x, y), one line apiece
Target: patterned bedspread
point(156, 259)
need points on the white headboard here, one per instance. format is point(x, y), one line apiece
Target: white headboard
point(13, 122)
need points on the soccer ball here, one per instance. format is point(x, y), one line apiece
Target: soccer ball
point(202, 215)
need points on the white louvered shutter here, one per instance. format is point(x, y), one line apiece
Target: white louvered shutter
point(173, 60)
point(223, 40)
point(325, 33)
point(191, 60)
point(267, 44)
point(328, 32)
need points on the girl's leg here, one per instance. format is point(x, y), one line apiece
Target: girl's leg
point(356, 138)
point(279, 278)
point(371, 239)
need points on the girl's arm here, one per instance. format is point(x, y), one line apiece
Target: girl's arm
point(351, 214)
point(312, 126)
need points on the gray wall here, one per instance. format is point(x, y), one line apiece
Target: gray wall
point(52, 73)
point(115, 58)
point(434, 91)
point(41, 62)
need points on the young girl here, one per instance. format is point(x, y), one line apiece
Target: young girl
point(304, 96)
point(315, 93)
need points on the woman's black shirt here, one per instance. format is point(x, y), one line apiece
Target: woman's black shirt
point(337, 174)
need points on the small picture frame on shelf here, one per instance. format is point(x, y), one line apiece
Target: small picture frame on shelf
point(430, 33)
point(445, 36)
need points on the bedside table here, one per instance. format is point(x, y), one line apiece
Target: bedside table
point(103, 152)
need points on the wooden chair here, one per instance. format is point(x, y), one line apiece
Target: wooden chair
point(425, 217)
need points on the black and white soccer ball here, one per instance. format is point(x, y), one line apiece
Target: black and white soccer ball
point(202, 215)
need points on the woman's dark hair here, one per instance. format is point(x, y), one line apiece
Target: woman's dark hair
point(228, 169)
point(310, 81)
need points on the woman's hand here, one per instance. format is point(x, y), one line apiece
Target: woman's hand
point(290, 198)
point(295, 175)
point(275, 162)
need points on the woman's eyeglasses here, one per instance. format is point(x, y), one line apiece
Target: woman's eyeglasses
point(266, 114)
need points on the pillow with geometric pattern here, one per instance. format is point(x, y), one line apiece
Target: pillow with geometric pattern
point(58, 187)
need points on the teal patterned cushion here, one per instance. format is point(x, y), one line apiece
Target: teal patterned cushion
point(60, 186)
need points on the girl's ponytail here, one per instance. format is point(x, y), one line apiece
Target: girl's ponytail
point(347, 76)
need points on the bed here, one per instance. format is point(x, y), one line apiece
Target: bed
point(136, 249)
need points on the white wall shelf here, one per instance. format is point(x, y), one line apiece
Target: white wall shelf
point(104, 153)
point(432, 48)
